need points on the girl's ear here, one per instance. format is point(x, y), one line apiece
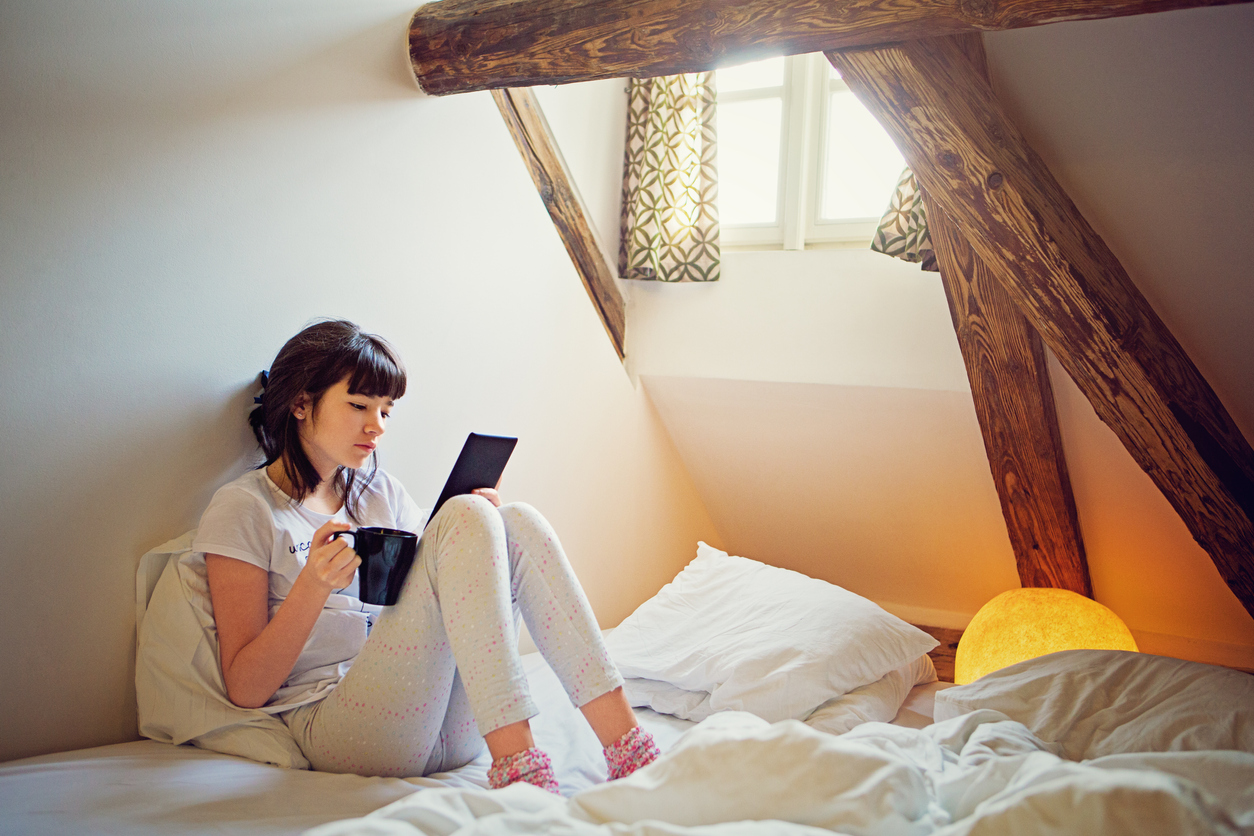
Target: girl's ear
point(302, 406)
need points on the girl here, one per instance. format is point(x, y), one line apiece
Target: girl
point(419, 687)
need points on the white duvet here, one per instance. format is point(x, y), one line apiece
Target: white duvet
point(973, 774)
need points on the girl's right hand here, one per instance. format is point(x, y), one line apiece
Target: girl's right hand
point(331, 562)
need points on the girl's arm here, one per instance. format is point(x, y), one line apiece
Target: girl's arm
point(257, 654)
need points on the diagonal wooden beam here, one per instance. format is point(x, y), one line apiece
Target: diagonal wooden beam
point(976, 165)
point(461, 45)
point(1014, 402)
point(544, 161)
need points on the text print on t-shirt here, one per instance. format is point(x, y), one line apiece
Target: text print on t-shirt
point(301, 547)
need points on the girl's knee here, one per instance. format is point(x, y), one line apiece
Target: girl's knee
point(521, 519)
point(520, 509)
point(468, 513)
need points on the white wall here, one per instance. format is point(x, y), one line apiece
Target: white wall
point(185, 186)
point(842, 317)
point(884, 491)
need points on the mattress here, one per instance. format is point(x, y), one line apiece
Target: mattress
point(146, 787)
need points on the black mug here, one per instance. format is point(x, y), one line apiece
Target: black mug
point(386, 555)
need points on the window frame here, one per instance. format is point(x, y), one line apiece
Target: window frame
point(803, 139)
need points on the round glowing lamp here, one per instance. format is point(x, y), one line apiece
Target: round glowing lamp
point(1025, 623)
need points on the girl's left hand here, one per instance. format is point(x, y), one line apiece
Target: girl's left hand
point(489, 494)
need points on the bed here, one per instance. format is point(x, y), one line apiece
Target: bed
point(147, 787)
point(1079, 742)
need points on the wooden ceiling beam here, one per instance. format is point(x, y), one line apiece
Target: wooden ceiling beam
point(1014, 402)
point(457, 46)
point(547, 167)
point(975, 164)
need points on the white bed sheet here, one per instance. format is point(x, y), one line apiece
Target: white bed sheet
point(146, 787)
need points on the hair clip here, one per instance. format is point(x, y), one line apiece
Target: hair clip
point(265, 380)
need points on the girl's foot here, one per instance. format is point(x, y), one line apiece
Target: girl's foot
point(532, 766)
point(630, 752)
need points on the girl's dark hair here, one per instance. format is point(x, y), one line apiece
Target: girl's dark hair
point(310, 363)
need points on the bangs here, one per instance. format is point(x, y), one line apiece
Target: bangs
point(378, 372)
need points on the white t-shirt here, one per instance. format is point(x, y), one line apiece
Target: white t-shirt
point(252, 520)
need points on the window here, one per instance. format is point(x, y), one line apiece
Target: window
point(801, 161)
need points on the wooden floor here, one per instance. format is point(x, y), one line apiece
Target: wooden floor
point(943, 655)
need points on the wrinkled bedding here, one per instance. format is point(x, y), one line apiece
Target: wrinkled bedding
point(735, 775)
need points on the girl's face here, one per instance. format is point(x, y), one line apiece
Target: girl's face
point(343, 429)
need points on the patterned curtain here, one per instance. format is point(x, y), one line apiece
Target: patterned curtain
point(903, 229)
point(670, 182)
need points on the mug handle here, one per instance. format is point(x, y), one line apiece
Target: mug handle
point(352, 534)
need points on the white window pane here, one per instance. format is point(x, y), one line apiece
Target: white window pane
point(862, 164)
point(748, 161)
point(768, 73)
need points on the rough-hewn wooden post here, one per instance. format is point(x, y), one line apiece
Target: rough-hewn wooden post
point(1014, 401)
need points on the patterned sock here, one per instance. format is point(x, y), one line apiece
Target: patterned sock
point(630, 752)
point(531, 766)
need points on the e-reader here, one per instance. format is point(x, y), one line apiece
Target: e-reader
point(479, 465)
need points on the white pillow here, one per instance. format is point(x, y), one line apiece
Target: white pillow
point(1104, 702)
point(761, 639)
point(178, 681)
point(878, 702)
point(665, 698)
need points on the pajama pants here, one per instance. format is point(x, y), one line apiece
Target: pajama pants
point(441, 667)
